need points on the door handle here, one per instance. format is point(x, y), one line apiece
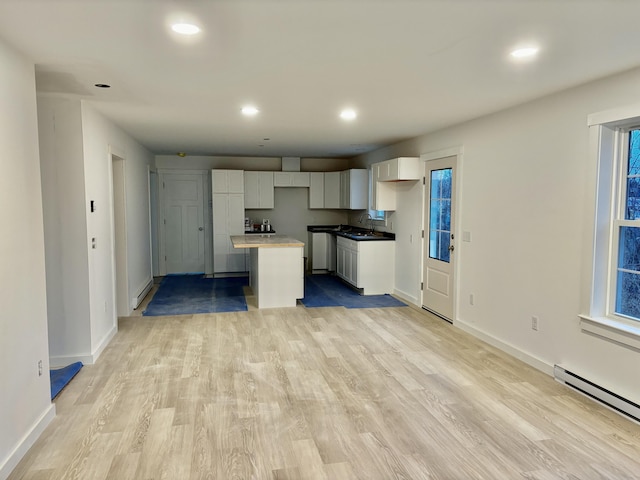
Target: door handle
point(451, 248)
point(201, 228)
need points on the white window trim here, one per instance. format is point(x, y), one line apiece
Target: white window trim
point(606, 129)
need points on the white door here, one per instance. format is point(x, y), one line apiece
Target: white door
point(439, 245)
point(183, 222)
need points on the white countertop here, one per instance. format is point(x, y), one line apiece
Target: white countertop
point(264, 241)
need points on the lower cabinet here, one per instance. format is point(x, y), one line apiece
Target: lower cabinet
point(368, 265)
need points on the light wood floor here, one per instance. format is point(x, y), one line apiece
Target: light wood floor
point(325, 393)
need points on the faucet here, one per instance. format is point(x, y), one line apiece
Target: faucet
point(370, 220)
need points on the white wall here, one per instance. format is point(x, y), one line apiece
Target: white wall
point(527, 189)
point(25, 406)
point(76, 165)
point(65, 227)
point(101, 138)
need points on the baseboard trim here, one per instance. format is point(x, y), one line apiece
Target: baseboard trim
point(23, 446)
point(86, 358)
point(405, 297)
point(529, 359)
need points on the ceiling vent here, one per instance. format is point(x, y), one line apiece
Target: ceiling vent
point(290, 164)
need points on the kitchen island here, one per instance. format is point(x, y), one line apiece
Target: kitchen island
point(276, 268)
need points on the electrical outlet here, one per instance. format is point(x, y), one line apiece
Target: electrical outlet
point(39, 368)
point(534, 323)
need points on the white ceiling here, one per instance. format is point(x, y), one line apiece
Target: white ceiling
point(407, 67)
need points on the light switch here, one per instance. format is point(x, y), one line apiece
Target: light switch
point(466, 236)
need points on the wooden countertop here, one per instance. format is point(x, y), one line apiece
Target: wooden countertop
point(264, 241)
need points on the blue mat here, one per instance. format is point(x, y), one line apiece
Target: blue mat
point(189, 294)
point(329, 291)
point(60, 377)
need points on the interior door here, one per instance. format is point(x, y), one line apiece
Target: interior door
point(183, 207)
point(439, 245)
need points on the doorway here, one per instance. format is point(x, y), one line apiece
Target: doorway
point(181, 222)
point(439, 256)
point(120, 235)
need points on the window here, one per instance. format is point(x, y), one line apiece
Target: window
point(626, 228)
point(440, 214)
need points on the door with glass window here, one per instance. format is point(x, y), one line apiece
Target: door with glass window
point(439, 242)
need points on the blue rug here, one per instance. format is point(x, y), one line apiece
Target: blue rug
point(329, 291)
point(60, 377)
point(189, 294)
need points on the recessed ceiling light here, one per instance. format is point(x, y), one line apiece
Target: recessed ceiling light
point(348, 114)
point(524, 52)
point(249, 111)
point(185, 28)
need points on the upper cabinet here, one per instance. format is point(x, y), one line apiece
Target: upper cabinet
point(354, 185)
point(398, 169)
point(258, 190)
point(227, 181)
point(384, 176)
point(324, 190)
point(291, 179)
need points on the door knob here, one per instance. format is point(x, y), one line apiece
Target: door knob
point(201, 228)
point(451, 248)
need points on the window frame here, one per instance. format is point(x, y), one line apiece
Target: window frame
point(608, 152)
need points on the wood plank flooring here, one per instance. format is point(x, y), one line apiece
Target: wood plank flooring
point(325, 393)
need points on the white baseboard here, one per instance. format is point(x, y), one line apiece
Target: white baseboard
point(27, 442)
point(405, 297)
point(86, 358)
point(527, 358)
point(142, 293)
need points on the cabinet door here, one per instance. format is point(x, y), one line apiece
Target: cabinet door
point(300, 179)
point(220, 181)
point(236, 181)
point(316, 190)
point(265, 190)
point(354, 268)
point(251, 199)
point(282, 179)
point(358, 189)
point(220, 234)
point(344, 189)
point(340, 261)
point(332, 190)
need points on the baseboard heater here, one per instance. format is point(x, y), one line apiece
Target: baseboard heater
point(138, 300)
point(606, 397)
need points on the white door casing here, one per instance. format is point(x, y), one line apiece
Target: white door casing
point(182, 223)
point(440, 241)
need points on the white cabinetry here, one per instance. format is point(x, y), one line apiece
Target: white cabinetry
point(388, 172)
point(324, 190)
point(316, 190)
point(228, 219)
point(291, 179)
point(258, 190)
point(227, 181)
point(368, 265)
point(353, 189)
point(332, 190)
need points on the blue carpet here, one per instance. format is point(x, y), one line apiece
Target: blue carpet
point(62, 376)
point(189, 294)
point(329, 291)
